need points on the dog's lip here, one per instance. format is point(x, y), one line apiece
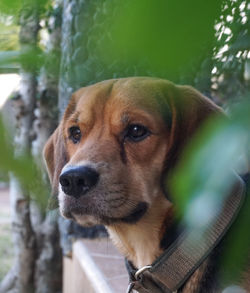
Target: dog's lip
point(73, 207)
point(136, 214)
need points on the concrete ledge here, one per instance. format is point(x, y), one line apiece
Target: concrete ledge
point(96, 266)
point(88, 266)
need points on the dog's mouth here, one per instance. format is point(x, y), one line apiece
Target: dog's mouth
point(74, 210)
point(136, 214)
point(133, 216)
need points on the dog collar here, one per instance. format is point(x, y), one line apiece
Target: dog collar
point(170, 271)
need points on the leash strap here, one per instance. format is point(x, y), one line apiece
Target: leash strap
point(170, 271)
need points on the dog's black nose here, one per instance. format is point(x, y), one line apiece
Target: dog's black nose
point(76, 181)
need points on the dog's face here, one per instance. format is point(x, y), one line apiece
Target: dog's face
point(115, 144)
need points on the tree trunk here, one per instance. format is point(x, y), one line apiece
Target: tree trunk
point(48, 272)
point(23, 234)
point(20, 279)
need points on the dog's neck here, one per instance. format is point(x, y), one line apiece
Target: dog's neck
point(141, 242)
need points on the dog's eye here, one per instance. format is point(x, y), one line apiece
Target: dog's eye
point(75, 134)
point(137, 132)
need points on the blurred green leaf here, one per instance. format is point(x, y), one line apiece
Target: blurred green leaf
point(14, 7)
point(166, 35)
point(205, 171)
point(31, 59)
point(10, 7)
point(236, 253)
point(9, 57)
point(204, 177)
point(8, 37)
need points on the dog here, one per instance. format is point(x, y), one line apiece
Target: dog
point(109, 158)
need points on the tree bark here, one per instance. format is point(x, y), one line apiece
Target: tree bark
point(22, 230)
point(48, 271)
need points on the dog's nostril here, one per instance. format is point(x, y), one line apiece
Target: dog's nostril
point(64, 182)
point(80, 182)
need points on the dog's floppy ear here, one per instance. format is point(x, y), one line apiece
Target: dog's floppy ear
point(189, 109)
point(55, 157)
point(194, 109)
point(54, 152)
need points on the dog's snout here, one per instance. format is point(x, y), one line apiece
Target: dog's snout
point(76, 181)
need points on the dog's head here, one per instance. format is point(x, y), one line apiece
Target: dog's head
point(115, 144)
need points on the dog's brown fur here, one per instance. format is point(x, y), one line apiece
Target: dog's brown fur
point(130, 172)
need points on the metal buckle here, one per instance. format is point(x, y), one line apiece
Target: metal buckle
point(141, 270)
point(137, 275)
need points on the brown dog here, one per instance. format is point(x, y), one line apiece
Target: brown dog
point(109, 157)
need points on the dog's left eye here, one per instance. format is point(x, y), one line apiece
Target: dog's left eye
point(137, 132)
point(75, 134)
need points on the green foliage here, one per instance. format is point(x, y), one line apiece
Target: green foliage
point(3, 177)
point(14, 7)
point(232, 50)
point(31, 57)
point(10, 7)
point(166, 36)
point(56, 14)
point(8, 37)
point(208, 161)
point(236, 253)
point(201, 182)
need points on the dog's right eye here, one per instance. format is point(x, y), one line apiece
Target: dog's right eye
point(137, 132)
point(75, 134)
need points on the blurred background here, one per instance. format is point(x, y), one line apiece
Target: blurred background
point(48, 49)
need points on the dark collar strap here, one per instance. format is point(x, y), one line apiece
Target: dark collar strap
point(170, 271)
